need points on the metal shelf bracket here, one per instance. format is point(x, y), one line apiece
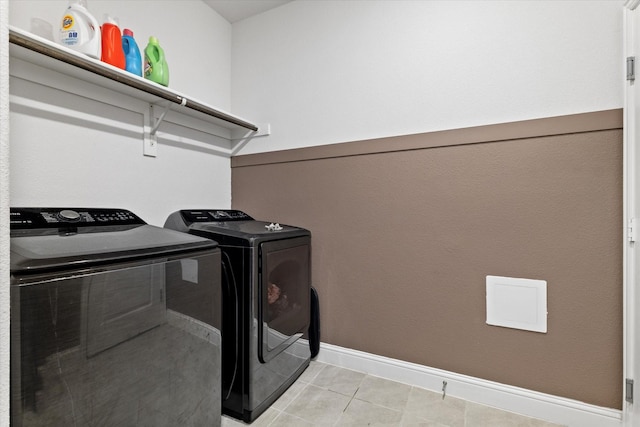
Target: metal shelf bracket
point(155, 125)
point(150, 143)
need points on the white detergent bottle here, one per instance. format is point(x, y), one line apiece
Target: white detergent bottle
point(79, 30)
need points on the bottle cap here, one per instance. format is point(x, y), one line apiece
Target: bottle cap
point(153, 40)
point(127, 32)
point(108, 19)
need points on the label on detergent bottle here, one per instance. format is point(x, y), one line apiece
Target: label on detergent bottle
point(148, 69)
point(70, 36)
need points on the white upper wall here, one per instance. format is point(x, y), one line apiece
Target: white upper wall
point(328, 71)
point(60, 159)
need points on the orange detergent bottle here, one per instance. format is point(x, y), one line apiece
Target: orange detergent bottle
point(112, 51)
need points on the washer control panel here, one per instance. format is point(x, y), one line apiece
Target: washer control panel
point(28, 218)
point(214, 215)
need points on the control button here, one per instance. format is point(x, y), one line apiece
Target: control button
point(69, 215)
point(220, 214)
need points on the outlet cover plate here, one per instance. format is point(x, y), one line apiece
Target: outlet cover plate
point(517, 303)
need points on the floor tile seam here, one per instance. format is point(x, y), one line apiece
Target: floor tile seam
point(350, 395)
point(466, 413)
point(291, 415)
point(411, 387)
point(346, 394)
point(376, 404)
point(274, 418)
point(436, 421)
point(427, 420)
point(422, 420)
point(309, 380)
point(320, 389)
point(406, 404)
point(404, 408)
point(294, 397)
point(323, 365)
point(444, 397)
point(364, 373)
point(346, 407)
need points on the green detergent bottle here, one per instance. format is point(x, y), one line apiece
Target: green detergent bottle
point(156, 68)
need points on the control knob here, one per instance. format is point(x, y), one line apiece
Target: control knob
point(69, 215)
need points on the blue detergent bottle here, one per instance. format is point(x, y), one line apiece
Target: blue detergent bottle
point(133, 59)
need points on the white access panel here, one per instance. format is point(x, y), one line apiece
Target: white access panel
point(517, 303)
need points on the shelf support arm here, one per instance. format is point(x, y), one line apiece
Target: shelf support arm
point(155, 125)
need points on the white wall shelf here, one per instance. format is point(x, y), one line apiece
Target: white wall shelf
point(43, 53)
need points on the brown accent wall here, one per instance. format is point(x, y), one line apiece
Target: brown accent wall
point(405, 229)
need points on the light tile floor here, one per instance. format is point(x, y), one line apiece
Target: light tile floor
point(326, 395)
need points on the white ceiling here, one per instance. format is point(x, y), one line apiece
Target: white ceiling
point(236, 10)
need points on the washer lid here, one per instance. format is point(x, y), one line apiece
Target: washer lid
point(61, 245)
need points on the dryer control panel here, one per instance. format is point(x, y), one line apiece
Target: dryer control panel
point(213, 215)
point(31, 218)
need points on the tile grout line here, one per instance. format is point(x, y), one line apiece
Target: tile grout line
point(406, 406)
point(388, 407)
point(348, 403)
point(274, 418)
point(290, 415)
point(400, 411)
point(294, 397)
point(350, 399)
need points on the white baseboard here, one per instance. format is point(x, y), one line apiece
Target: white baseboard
point(554, 409)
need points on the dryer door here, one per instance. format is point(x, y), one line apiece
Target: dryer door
point(285, 283)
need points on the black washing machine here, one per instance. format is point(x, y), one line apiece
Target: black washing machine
point(266, 275)
point(113, 322)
